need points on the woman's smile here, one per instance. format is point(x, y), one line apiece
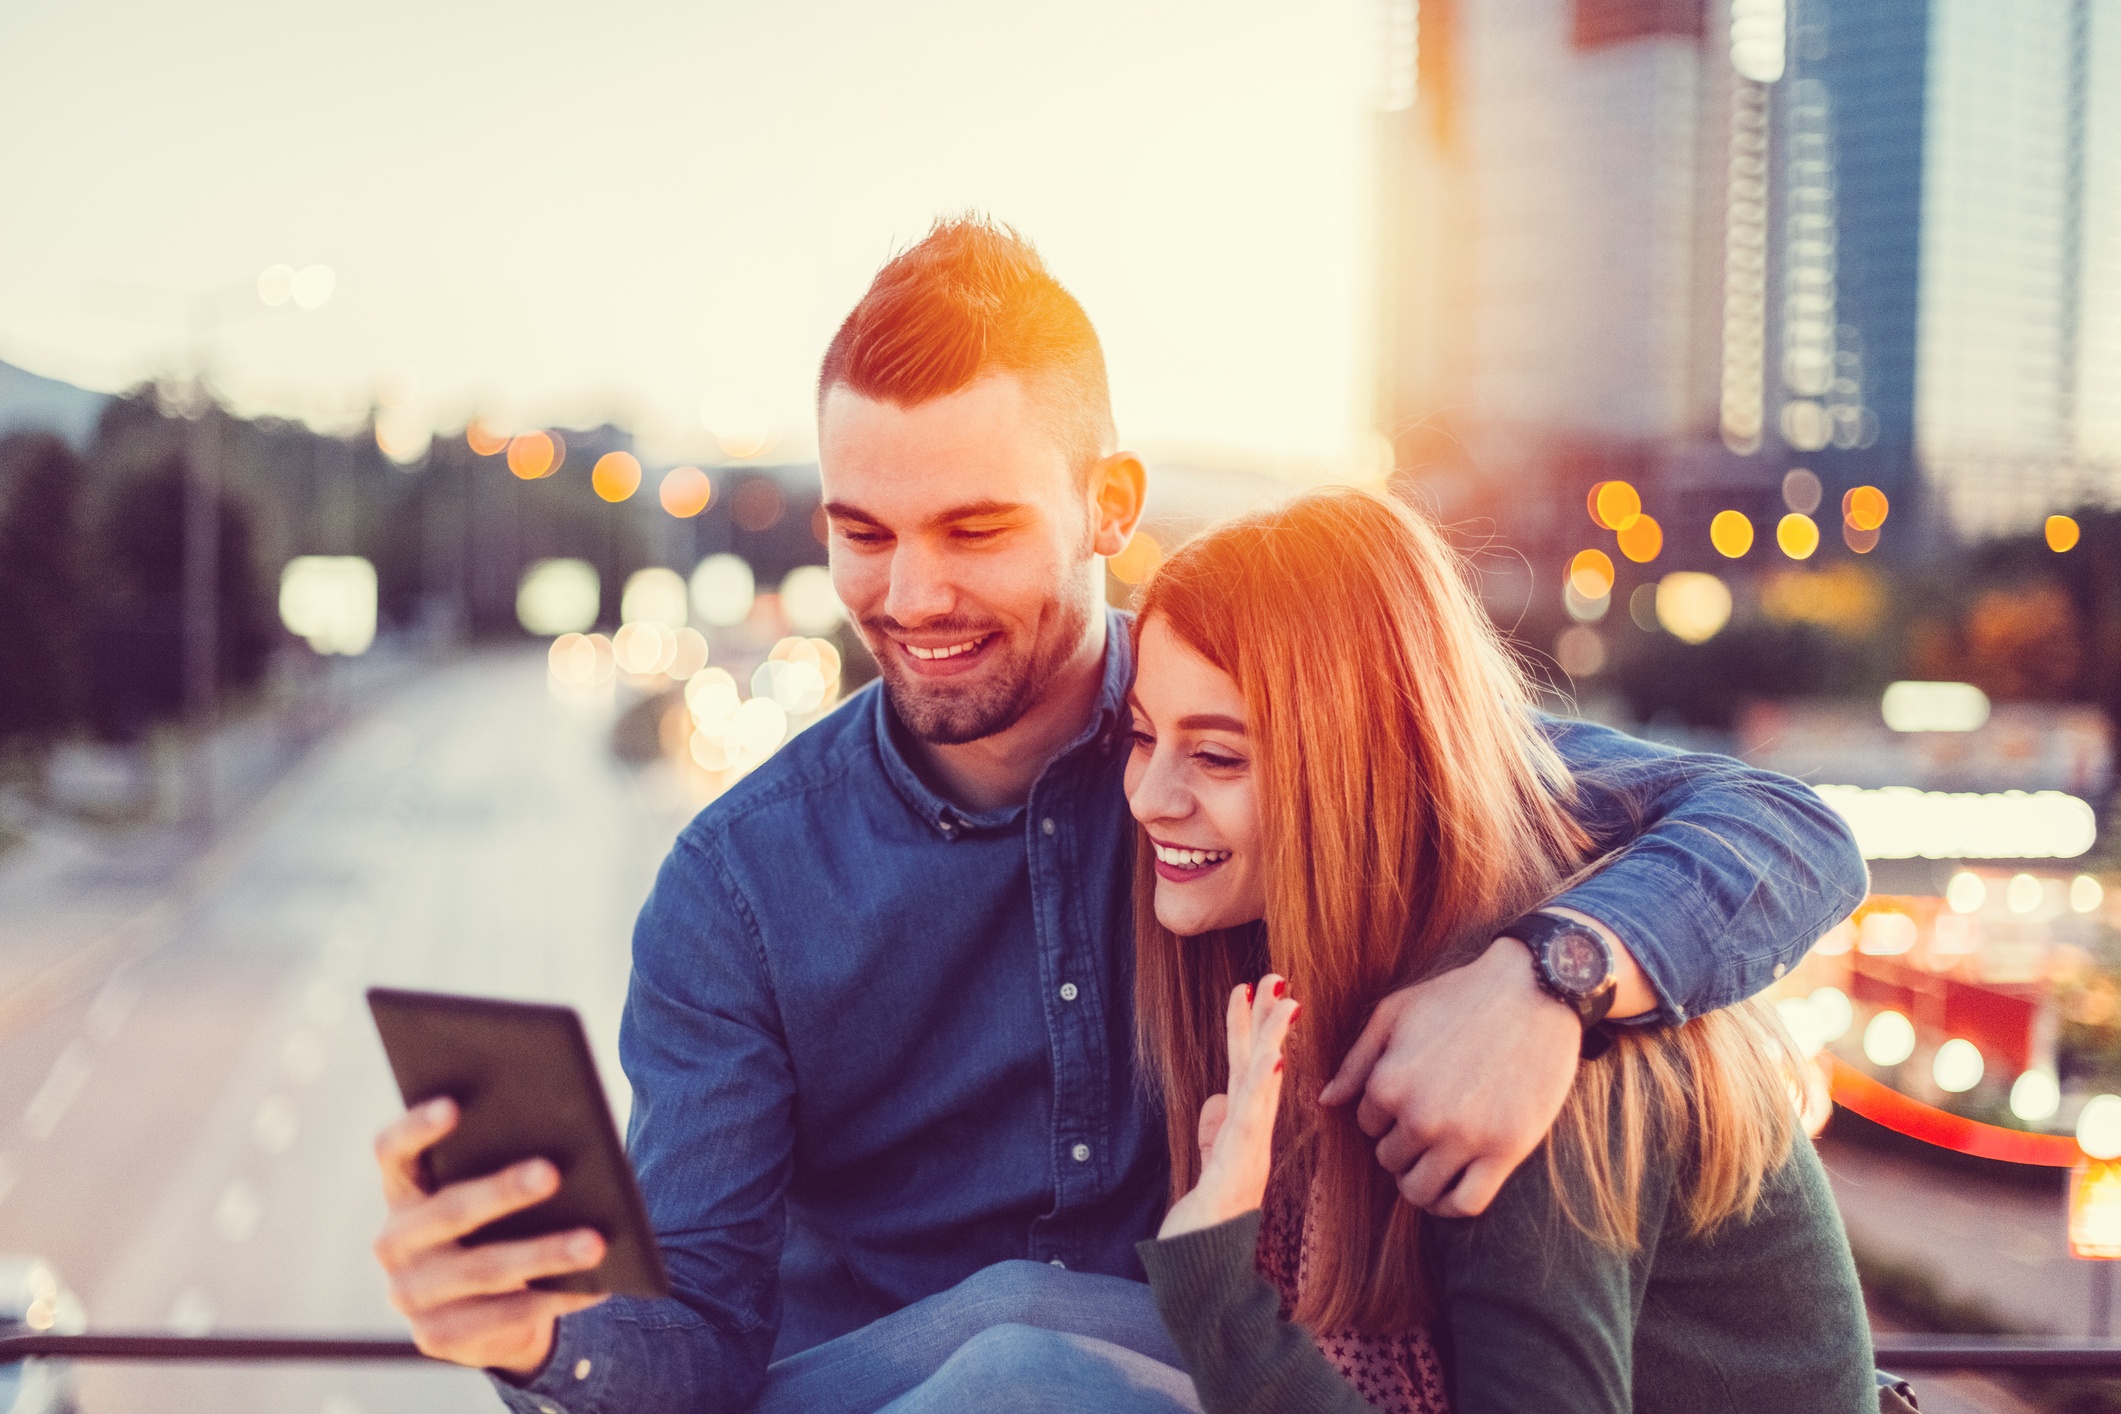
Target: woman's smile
point(1182, 865)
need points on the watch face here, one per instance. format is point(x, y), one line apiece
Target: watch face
point(1578, 961)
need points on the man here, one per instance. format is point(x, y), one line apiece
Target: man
point(879, 1027)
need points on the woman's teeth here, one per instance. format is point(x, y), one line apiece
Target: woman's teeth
point(931, 654)
point(1188, 858)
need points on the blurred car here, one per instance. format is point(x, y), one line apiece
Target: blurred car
point(32, 1299)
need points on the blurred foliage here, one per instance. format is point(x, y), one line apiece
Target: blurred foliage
point(43, 608)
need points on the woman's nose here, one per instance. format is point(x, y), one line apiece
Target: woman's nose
point(1157, 795)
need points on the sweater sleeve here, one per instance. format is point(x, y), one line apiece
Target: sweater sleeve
point(1226, 1320)
point(1541, 1318)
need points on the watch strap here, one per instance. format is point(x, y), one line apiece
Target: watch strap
point(1536, 931)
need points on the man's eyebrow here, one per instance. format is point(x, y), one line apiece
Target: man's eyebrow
point(1211, 722)
point(976, 510)
point(840, 510)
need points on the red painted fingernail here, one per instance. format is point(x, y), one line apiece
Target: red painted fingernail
point(1281, 987)
point(1296, 1013)
point(1277, 1067)
point(1248, 991)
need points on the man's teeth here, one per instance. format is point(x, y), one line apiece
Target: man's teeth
point(1189, 858)
point(931, 654)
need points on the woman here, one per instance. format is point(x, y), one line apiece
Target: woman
point(1340, 783)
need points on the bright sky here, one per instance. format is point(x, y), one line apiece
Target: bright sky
point(657, 213)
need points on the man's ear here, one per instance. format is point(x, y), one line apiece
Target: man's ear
point(1118, 485)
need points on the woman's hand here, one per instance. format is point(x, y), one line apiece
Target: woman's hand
point(1237, 1129)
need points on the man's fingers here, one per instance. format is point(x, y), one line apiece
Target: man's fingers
point(488, 1330)
point(1432, 1175)
point(403, 1140)
point(1474, 1191)
point(453, 1274)
point(462, 1208)
point(1398, 1149)
point(1354, 1072)
point(1373, 1117)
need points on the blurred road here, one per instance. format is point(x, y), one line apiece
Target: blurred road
point(186, 1111)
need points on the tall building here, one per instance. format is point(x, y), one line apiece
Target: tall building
point(1698, 243)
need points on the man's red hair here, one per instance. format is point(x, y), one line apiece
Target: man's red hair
point(973, 298)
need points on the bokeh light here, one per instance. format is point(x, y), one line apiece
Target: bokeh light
point(330, 601)
point(1889, 1039)
point(1886, 933)
point(533, 455)
point(2085, 894)
point(276, 285)
point(1865, 507)
point(1580, 651)
point(2099, 1127)
point(312, 286)
point(2062, 533)
point(1731, 533)
point(2036, 1096)
point(616, 476)
point(558, 596)
point(757, 504)
point(1835, 1011)
point(484, 439)
point(644, 648)
point(1958, 1066)
point(1614, 503)
point(1641, 538)
point(722, 590)
point(809, 600)
point(1591, 574)
point(1860, 541)
point(1900, 822)
point(685, 491)
point(1966, 892)
point(1801, 490)
point(691, 655)
point(1934, 707)
point(1797, 534)
point(1693, 607)
point(1137, 559)
point(2023, 894)
point(654, 595)
point(403, 436)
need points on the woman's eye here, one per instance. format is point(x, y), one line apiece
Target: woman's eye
point(1142, 740)
point(1216, 760)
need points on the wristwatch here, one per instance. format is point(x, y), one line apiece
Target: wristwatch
point(1573, 965)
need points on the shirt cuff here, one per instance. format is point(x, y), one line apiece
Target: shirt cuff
point(570, 1381)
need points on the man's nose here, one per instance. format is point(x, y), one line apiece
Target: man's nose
point(920, 590)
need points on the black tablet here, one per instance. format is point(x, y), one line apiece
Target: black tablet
point(525, 1087)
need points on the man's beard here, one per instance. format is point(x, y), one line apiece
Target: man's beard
point(949, 713)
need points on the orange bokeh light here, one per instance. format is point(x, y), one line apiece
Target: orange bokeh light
point(1137, 560)
point(1591, 574)
point(1614, 504)
point(532, 455)
point(1798, 535)
point(615, 476)
point(1731, 533)
point(483, 439)
point(2062, 533)
point(1865, 507)
point(685, 491)
point(1641, 537)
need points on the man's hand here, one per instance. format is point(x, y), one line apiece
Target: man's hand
point(473, 1305)
point(1460, 1077)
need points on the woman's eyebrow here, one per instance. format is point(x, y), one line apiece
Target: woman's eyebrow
point(1211, 722)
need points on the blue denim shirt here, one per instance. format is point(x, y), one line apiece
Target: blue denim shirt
point(877, 1043)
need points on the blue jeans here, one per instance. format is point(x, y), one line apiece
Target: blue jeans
point(1018, 1336)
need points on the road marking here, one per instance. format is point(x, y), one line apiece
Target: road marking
point(68, 1074)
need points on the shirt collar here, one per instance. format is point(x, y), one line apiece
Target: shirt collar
point(1105, 718)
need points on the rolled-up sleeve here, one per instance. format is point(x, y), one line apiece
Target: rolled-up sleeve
point(1724, 874)
point(711, 1138)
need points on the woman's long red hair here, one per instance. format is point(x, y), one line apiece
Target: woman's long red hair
point(1409, 807)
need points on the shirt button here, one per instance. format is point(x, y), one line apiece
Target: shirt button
point(1047, 824)
point(581, 1369)
point(1068, 992)
point(1780, 969)
point(1081, 1153)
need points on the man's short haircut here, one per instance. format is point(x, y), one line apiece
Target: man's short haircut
point(972, 298)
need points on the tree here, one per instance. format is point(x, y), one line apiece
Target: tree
point(43, 608)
